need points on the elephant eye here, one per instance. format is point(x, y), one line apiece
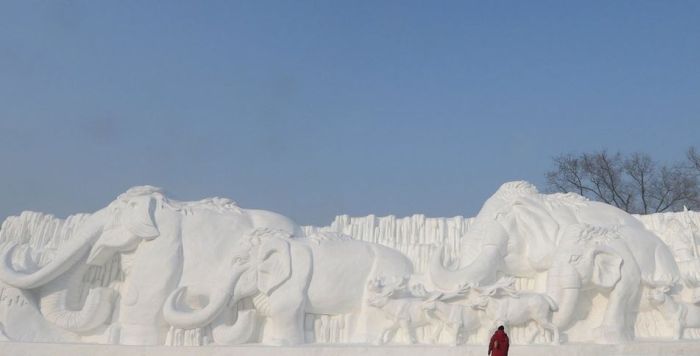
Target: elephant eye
point(574, 258)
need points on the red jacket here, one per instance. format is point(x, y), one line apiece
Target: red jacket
point(499, 344)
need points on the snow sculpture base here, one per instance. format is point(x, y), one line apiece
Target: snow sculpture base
point(639, 348)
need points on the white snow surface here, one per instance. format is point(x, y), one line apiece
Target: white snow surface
point(161, 274)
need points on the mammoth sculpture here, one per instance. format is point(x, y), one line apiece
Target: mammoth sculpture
point(319, 275)
point(152, 232)
point(517, 233)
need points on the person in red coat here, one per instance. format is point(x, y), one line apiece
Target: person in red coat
point(499, 343)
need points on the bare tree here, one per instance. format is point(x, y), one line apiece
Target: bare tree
point(694, 158)
point(634, 183)
point(641, 170)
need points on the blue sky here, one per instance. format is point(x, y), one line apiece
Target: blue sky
point(317, 108)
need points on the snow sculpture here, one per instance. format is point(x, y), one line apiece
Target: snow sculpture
point(567, 240)
point(407, 311)
point(506, 306)
point(150, 270)
point(147, 235)
point(295, 276)
point(459, 319)
point(679, 315)
point(681, 232)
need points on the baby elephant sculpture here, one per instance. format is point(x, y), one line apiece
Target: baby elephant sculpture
point(506, 306)
point(457, 317)
point(680, 315)
point(405, 310)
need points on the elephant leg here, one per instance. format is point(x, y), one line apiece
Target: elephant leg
point(368, 324)
point(383, 333)
point(380, 339)
point(406, 325)
point(286, 322)
point(113, 334)
point(454, 339)
point(3, 337)
point(632, 312)
point(538, 331)
point(435, 336)
point(677, 330)
point(544, 324)
point(613, 330)
point(285, 330)
point(389, 333)
point(554, 329)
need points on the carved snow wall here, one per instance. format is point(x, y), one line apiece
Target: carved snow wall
point(149, 270)
point(415, 236)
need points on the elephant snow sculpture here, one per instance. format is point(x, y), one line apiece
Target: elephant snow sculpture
point(679, 315)
point(150, 232)
point(459, 318)
point(517, 232)
point(287, 277)
point(20, 319)
point(505, 306)
point(589, 257)
point(404, 310)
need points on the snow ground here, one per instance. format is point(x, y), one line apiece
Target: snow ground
point(682, 348)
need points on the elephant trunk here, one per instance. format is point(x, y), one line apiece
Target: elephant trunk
point(483, 270)
point(65, 258)
point(191, 318)
point(244, 325)
point(96, 309)
point(564, 286)
point(240, 332)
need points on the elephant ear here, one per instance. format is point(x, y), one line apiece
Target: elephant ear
point(275, 264)
point(137, 217)
point(110, 242)
point(607, 269)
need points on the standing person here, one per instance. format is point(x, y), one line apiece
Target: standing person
point(499, 343)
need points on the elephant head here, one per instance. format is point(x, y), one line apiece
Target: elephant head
point(493, 240)
point(657, 296)
point(260, 263)
point(513, 233)
point(118, 227)
point(583, 259)
point(132, 223)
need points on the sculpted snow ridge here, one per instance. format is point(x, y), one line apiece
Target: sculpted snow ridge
point(150, 270)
